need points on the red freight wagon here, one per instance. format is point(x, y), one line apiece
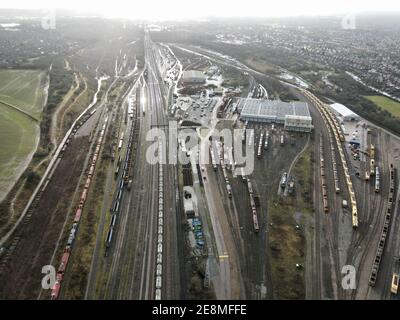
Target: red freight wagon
point(78, 215)
point(55, 291)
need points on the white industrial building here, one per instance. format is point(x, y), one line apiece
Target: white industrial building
point(295, 116)
point(193, 77)
point(298, 123)
point(343, 113)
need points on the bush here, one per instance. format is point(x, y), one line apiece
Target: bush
point(32, 178)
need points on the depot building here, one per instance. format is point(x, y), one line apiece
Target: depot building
point(295, 116)
point(343, 113)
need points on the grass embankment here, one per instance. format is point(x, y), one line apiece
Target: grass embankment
point(386, 104)
point(79, 101)
point(287, 243)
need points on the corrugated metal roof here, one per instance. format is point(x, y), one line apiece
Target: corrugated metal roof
point(272, 108)
point(342, 110)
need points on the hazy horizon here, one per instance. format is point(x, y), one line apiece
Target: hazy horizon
point(184, 10)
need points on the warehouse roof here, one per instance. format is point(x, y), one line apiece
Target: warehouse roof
point(272, 108)
point(342, 110)
point(296, 117)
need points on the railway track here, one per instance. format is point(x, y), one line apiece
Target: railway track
point(157, 275)
point(332, 202)
point(385, 229)
point(317, 267)
point(133, 256)
point(62, 152)
point(130, 271)
point(330, 119)
point(362, 241)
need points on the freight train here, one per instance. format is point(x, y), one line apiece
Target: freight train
point(385, 228)
point(323, 179)
point(160, 233)
point(334, 164)
point(55, 291)
point(253, 206)
point(332, 124)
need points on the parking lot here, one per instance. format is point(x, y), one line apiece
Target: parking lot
point(195, 110)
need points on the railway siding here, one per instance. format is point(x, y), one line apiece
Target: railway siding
point(55, 291)
point(385, 230)
point(330, 119)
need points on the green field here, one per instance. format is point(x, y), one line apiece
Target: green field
point(386, 104)
point(18, 132)
point(23, 89)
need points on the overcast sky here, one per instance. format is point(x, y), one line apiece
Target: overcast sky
point(173, 9)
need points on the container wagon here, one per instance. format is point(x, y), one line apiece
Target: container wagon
point(395, 283)
point(109, 238)
point(255, 221)
point(55, 291)
point(372, 159)
point(377, 179)
point(158, 294)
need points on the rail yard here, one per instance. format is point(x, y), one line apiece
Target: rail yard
point(188, 173)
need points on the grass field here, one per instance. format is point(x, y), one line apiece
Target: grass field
point(24, 89)
point(386, 104)
point(18, 133)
